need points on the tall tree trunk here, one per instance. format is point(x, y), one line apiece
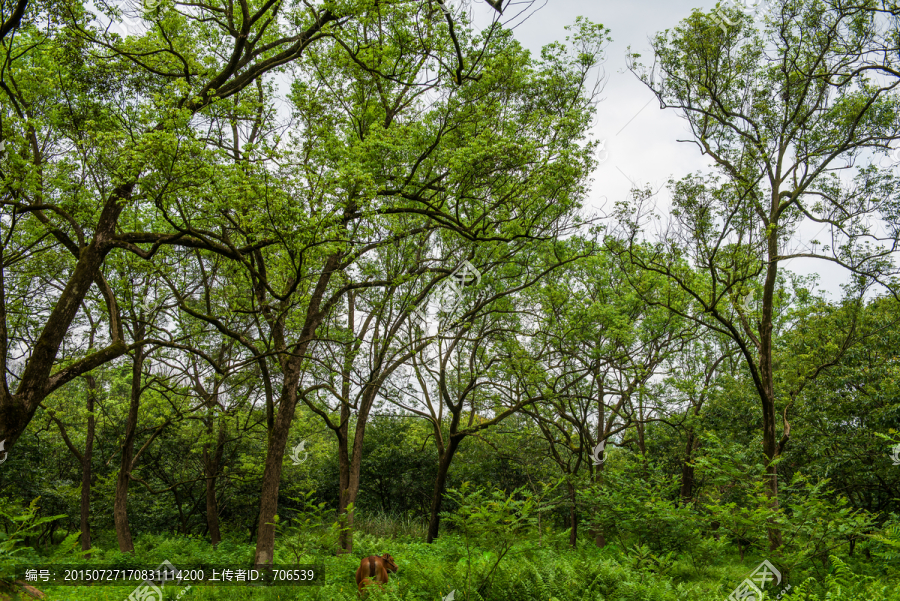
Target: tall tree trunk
point(642, 444)
point(252, 528)
point(120, 505)
point(350, 493)
point(687, 470)
point(440, 483)
point(771, 448)
point(354, 465)
point(84, 460)
point(602, 431)
point(350, 455)
point(642, 441)
point(573, 517)
point(278, 434)
point(271, 483)
point(345, 494)
point(182, 519)
point(86, 467)
point(211, 463)
point(770, 451)
point(693, 439)
point(344, 517)
point(599, 537)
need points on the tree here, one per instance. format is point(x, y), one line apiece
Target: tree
point(115, 156)
point(776, 115)
point(601, 344)
point(367, 353)
point(840, 413)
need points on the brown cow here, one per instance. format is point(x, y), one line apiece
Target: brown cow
point(374, 567)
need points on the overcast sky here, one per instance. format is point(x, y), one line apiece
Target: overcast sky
point(640, 137)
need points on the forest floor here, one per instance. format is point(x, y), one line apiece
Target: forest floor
point(447, 570)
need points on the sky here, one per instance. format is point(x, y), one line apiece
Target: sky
point(641, 139)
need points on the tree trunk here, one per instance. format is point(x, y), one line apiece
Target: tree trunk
point(268, 502)
point(17, 410)
point(714, 528)
point(120, 505)
point(344, 517)
point(345, 461)
point(769, 446)
point(348, 496)
point(602, 432)
point(573, 517)
point(354, 466)
point(86, 468)
point(182, 528)
point(599, 537)
point(211, 464)
point(439, 483)
point(767, 376)
point(642, 445)
point(252, 528)
point(642, 442)
point(687, 470)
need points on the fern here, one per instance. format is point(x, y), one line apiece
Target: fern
point(888, 540)
point(840, 575)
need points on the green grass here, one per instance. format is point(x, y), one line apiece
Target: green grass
point(429, 572)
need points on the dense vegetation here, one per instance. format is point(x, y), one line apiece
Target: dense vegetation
point(303, 283)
